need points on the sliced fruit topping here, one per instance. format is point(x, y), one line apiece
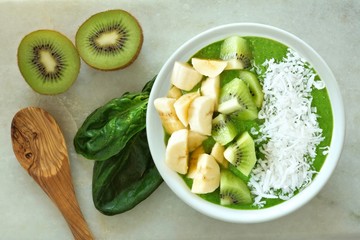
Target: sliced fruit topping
point(184, 76)
point(236, 47)
point(235, 97)
point(254, 85)
point(193, 161)
point(176, 154)
point(223, 130)
point(207, 176)
point(182, 105)
point(242, 153)
point(233, 190)
point(174, 92)
point(195, 140)
point(165, 108)
point(218, 153)
point(208, 67)
point(194, 100)
point(211, 88)
point(200, 115)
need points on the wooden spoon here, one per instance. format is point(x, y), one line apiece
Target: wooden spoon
point(40, 148)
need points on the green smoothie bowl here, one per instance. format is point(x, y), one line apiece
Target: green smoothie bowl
point(245, 123)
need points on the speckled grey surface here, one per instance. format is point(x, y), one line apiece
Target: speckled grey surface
point(332, 28)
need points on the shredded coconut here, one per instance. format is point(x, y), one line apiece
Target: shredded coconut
point(290, 132)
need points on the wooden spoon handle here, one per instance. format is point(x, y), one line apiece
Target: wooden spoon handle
point(61, 191)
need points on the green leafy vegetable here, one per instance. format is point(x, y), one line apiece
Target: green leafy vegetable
point(126, 179)
point(107, 130)
point(148, 86)
point(114, 135)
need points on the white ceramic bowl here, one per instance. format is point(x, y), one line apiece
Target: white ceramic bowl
point(156, 135)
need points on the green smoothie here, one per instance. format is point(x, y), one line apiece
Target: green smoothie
point(264, 49)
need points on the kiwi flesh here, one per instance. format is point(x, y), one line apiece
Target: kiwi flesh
point(242, 153)
point(223, 130)
point(48, 61)
point(236, 47)
point(109, 40)
point(233, 190)
point(254, 85)
point(235, 98)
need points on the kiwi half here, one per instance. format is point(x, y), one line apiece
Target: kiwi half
point(48, 61)
point(109, 40)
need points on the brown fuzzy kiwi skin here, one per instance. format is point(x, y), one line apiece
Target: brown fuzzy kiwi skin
point(134, 57)
point(45, 29)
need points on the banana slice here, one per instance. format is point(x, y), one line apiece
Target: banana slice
point(193, 161)
point(209, 67)
point(211, 88)
point(182, 106)
point(174, 92)
point(184, 76)
point(200, 115)
point(195, 139)
point(176, 153)
point(218, 153)
point(207, 177)
point(165, 107)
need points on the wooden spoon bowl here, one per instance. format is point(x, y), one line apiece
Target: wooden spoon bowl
point(40, 148)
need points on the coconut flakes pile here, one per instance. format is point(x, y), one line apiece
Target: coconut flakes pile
point(290, 133)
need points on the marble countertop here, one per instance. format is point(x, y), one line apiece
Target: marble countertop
point(332, 28)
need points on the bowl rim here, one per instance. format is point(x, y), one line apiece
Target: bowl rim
point(176, 183)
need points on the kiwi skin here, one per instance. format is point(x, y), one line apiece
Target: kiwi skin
point(31, 76)
point(141, 40)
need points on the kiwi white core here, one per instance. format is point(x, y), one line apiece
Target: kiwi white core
point(48, 61)
point(107, 39)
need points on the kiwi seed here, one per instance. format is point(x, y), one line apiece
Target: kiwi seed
point(109, 40)
point(48, 61)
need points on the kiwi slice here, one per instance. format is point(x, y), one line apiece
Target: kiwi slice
point(233, 190)
point(48, 61)
point(223, 130)
point(254, 85)
point(235, 98)
point(109, 40)
point(236, 47)
point(242, 154)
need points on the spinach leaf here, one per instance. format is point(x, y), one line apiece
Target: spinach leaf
point(114, 135)
point(107, 130)
point(148, 86)
point(126, 179)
